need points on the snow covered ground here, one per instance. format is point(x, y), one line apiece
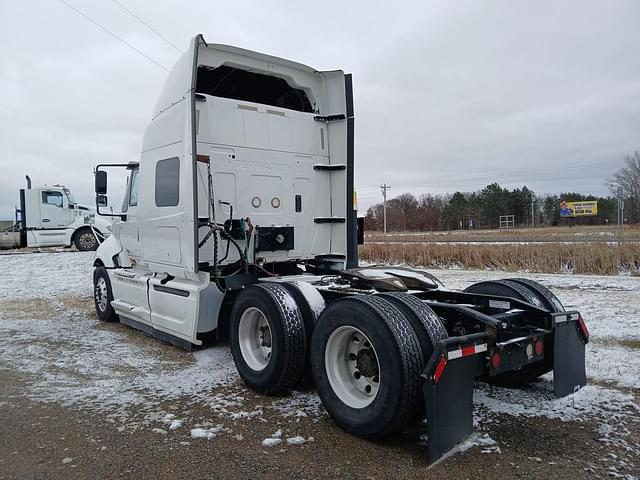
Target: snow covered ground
point(50, 334)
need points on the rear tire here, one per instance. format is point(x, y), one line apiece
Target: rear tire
point(85, 240)
point(311, 305)
point(426, 325)
point(268, 338)
point(366, 362)
point(103, 296)
point(536, 294)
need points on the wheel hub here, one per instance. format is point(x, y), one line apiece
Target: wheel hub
point(87, 240)
point(101, 294)
point(255, 339)
point(366, 362)
point(352, 367)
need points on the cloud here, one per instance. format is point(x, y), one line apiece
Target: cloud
point(449, 95)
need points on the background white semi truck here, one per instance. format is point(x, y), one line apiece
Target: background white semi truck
point(239, 223)
point(49, 216)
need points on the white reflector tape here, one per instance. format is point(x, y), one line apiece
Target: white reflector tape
point(466, 351)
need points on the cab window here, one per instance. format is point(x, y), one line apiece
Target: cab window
point(52, 198)
point(168, 182)
point(133, 191)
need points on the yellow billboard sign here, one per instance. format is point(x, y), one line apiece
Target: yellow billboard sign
point(579, 209)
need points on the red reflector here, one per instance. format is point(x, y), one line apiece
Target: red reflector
point(439, 369)
point(495, 360)
point(468, 350)
point(538, 347)
point(583, 328)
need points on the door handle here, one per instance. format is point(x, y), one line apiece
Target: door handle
point(45, 220)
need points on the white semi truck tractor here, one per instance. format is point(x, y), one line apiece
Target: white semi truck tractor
point(49, 216)
point(239, 217)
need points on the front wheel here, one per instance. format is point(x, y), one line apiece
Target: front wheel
point(103, 295)
point(85, 240)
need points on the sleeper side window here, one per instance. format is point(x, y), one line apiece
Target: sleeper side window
point(168, 182)
point(52, 198)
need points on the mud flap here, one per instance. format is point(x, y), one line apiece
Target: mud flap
point(570, 338)
point(448, 393)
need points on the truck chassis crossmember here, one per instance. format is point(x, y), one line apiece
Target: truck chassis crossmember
point(239, 221)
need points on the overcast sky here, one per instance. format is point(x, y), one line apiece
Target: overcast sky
point(448, 95)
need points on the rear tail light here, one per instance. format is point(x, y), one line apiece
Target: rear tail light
point(495, 360)
point(539, 347)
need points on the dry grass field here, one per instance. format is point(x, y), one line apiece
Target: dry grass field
point(583, 250)
point(598, 233)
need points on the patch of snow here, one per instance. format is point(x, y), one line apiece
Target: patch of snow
point(271, 442)
point(209, 433)
point(67, 460)
point(297, 440)
point(278, 434)
point(202, 433)
point(474, 440)
point(175, 424)
point(289, 303)
point(299, 404)
point(159, 431)
point(538, 400)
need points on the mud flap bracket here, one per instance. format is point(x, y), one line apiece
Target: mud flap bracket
point(448, 392)
point(569, 373)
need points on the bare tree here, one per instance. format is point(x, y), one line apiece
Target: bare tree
point(627, 180)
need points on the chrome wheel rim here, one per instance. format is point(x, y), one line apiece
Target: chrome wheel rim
point(87, 240)
point(254, 337)
point(352, 367)
point(101, 294)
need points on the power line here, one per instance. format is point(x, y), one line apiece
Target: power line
point(139, 52)
point(146, 25)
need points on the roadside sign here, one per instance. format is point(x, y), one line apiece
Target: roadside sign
point(579, 209)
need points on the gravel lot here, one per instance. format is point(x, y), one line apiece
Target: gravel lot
point(83, 399)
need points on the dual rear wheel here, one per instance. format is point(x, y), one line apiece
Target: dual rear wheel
point(536, 294)
point(365, 352)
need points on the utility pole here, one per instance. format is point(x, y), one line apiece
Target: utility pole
point(533, 211)
point(620, 209)
point(384, 187)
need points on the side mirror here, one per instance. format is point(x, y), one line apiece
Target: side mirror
point(101, 183)
point(101, 200)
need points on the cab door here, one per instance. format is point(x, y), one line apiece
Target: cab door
point(53, 213)
point(129, 229)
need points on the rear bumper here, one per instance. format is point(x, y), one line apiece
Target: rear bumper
point(457, 361)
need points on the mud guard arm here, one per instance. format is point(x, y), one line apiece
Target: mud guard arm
point(448, 391)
